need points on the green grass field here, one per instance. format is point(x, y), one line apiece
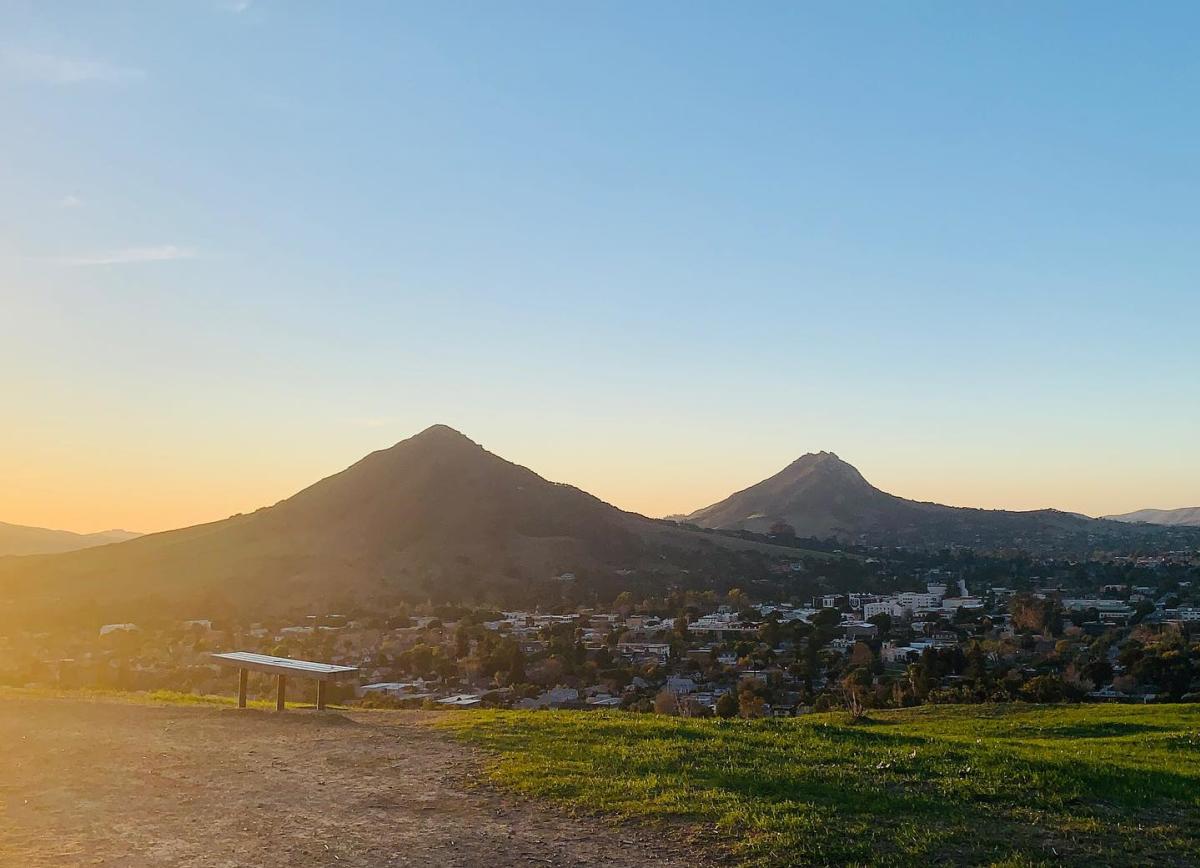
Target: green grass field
point(977, 785)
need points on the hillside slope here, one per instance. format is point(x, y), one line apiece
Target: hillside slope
point(820, 495)
point(1188, 516)
point(435, 515)
point(16, 539)
point(1007, 784)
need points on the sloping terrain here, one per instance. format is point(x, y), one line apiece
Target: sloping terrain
point(1188, 516)
point(1001, 785)
point(820, 495)
point(16, 539)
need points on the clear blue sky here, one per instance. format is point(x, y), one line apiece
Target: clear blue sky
point(656, 250)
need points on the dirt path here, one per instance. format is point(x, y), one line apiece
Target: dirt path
point(98, 783)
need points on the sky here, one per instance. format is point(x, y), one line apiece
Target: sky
point(655, 250)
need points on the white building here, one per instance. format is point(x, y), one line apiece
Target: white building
point(881, 607)
point(117, 628)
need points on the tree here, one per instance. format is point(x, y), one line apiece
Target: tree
point(826, 618)
point(1032, 615)
point(783, 530)
point(665, 702)
point(462, 640)
point(547, 672)
point(751, 699)
point(861, 655)
point(852, 698)
point(1044, 688)
point(976, 669)
point(727, 705)
point(516, 664)
point(681, 628)
point(418, 658)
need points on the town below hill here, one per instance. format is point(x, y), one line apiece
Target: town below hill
point(918, 629)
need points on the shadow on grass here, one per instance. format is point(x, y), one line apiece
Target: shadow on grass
point(1101, 729)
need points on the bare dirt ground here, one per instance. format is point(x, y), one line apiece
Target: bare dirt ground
point(109, 783)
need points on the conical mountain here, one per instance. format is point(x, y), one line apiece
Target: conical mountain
point(435, 515)
point(820, 495)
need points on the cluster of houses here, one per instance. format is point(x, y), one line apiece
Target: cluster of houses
point(686, 673)
point(691, 661)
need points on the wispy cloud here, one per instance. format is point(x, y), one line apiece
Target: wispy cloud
point(70, 201)
point(57, 69)
point(237, 7)
point(134, 255)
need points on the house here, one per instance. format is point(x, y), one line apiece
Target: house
point(462, 700)
point(644, 652)
point(859, 630)
point(117, 628)
point(556, 697)
point(603, 700)
point(913, 601)
point(400, 689)
point(890, 652)
point(881, 607)
point(680, 686)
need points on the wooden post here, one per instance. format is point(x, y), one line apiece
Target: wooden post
point(280, 689)
point(243, 675)
point(320, 696)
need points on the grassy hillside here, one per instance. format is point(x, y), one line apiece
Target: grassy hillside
point(1012, 785)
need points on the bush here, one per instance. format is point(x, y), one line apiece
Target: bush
point(727, 705)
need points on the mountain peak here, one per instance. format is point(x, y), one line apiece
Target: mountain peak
point(440, 431)
point(437, 438)
point(821, 457)
point(821, 464)
point(817, 493)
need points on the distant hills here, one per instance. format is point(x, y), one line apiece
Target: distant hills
point(438, 517)
point(1188, 516)
point(820, 495)
point(16, 539)
point(433, 516)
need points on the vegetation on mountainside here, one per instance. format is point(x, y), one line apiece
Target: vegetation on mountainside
point(990, 785)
